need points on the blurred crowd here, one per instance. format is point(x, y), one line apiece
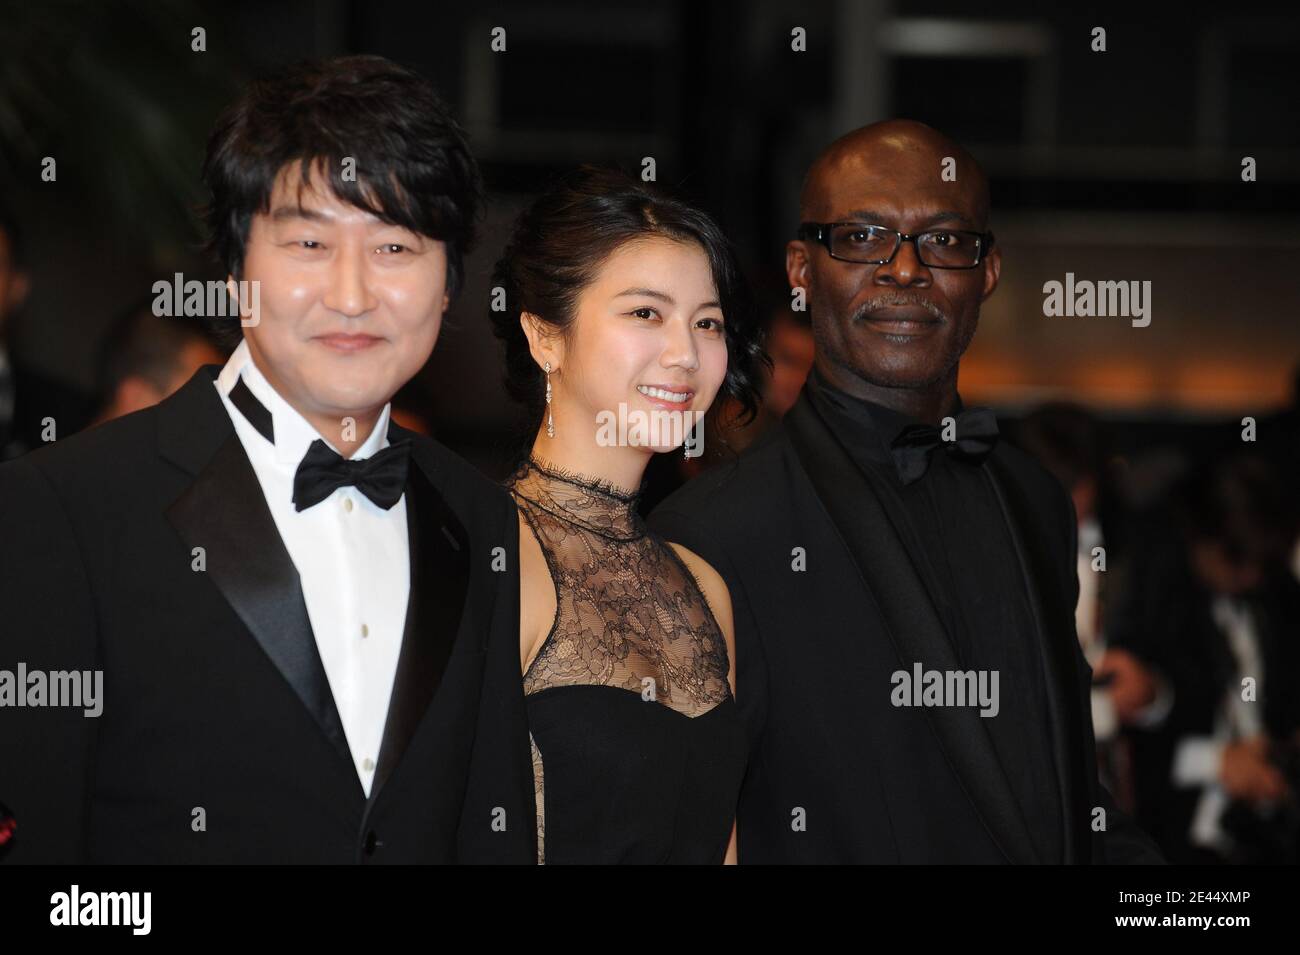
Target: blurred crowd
point(1188, 613)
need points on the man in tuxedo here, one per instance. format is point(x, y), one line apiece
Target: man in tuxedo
point(307, 651)
point(903, 583)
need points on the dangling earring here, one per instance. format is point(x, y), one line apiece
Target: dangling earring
point(550, 422)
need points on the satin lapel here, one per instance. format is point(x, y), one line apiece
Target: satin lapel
point(440, 561)
point(224, 513)
point(1054, 623)
point(853, 503)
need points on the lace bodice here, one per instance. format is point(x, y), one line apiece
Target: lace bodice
point(629, 612)
point(637, 745)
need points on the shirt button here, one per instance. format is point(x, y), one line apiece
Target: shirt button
point(347, 504)
point(365, 631)
point(368, 764)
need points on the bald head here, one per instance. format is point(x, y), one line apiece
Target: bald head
point(898, 151)
point(893, 330)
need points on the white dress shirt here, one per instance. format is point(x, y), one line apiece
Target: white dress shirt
point(1105, 722)
point(1092, 638)
point(352, 556)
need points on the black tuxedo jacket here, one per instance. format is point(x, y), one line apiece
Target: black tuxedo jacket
point(836, 772)
point(219, 740)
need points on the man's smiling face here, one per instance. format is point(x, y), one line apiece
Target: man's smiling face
point(350, 306)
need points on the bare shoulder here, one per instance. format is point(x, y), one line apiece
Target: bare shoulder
point(715, 592)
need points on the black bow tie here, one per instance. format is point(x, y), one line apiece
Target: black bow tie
point(975, 435)
point(380, 477)
point(322, 470)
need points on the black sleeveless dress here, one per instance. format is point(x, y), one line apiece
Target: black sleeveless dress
point(638, 748)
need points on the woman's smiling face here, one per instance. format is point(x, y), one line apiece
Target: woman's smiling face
point(647, 336)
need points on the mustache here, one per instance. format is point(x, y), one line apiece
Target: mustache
point(899, 299)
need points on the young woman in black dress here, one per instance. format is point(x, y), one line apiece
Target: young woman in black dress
point(626, 316)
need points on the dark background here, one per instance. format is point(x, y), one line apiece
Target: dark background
point(1120, 165)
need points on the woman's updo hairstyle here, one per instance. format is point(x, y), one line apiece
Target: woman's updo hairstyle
point(561, 242)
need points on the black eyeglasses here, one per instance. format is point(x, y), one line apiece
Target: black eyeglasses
point(868, 244)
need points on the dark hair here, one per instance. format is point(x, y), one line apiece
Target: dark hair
point(559, 245)
point(413, 167)
point(1065, 439)
point(140, 344)
point(1239, 503)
